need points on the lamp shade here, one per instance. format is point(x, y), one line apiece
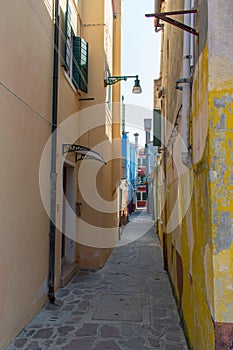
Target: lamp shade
point(137, 88)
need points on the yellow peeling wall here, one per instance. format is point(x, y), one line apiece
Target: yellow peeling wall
point(198, 252)
point(221, 165)
point(221, 170)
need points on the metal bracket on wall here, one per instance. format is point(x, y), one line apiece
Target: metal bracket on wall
point(163, 17)
point(182, 81)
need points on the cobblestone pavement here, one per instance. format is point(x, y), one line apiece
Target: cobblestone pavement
point(128, 305)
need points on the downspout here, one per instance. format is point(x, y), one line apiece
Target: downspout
point(164, 221)
point(192, 63)
point(192, 53)
point(185, 152)
point(53, 174)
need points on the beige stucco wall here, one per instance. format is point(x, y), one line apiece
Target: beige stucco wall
point(25, 116)
point(104, 37)
point(25, 96)
point(116, 94)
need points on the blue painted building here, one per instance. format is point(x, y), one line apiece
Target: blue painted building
point(133, 177)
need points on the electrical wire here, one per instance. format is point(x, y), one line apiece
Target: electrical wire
point(34, 111)
point(174, 131)
point(25, 103)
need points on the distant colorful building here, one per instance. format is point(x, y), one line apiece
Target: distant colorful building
point(124, 188)
point(133, 178)
point(129, 177)
point(142, 180)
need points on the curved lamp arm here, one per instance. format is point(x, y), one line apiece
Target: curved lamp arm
point(115, 79)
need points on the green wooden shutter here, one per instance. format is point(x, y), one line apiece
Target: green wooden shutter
point(63, 39)
point(68, 37)
point(80, 63)
point(157, 127)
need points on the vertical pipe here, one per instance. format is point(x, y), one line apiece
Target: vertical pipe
point(147, 127)
point(164, 222)
point(136, 142)
point(123, 115)
point(192, 53)
point(53, 175)
point(163, 212)
point(185, 154)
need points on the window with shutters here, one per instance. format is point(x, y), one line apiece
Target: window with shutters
point(74, 54)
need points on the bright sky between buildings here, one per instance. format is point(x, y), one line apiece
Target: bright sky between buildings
point(140, 56)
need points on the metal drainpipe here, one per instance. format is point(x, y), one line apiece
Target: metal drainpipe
point(53, 174)
point(164, 210)
point(192, 52)
point(185, 154)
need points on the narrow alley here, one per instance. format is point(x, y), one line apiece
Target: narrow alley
point(126, 305)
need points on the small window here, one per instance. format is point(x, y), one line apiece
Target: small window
point(144, 196)
point(138, 196)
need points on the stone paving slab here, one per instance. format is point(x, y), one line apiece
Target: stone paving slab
point(90, 315)
point(119, 307)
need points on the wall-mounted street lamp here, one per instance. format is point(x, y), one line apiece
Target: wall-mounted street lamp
point(115, 79)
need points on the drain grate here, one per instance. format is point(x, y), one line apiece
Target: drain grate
point(119, 307)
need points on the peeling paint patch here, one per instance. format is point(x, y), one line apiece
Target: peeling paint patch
point(223, 102)
point(213, 175)
point(221, 125)
point(224, 235)
point(223, 268)
point(223, 277)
